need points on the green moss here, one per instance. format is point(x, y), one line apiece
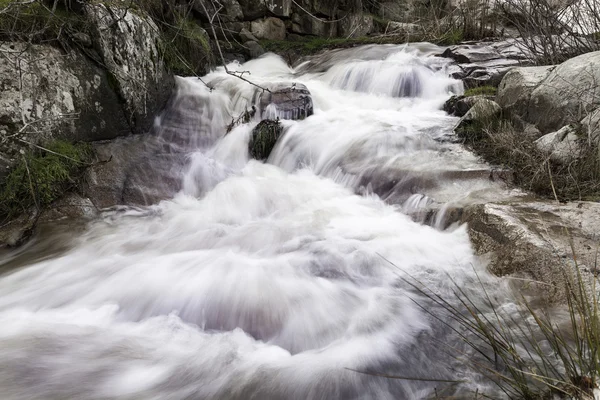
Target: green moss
point(481, 90)
point(185, 48)
point(41, 176)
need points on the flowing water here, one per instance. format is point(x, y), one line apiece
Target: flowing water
point(275, 280)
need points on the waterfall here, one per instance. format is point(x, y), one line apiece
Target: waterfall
point(276, 280)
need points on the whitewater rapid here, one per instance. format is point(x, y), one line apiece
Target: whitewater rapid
point(275, 280)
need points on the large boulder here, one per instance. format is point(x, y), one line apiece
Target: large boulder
point(517, 85)
point(253, 9)
point(570, 91)
point(46, 94)
point(563, 146)
point(268, 28)
point(129, 46)
point(285, 101)
point(536, 243)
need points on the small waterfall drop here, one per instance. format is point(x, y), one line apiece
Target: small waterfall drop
point(290, 279)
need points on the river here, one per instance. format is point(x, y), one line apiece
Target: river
point(291, 279)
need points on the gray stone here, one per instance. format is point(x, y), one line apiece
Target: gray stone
point(254, 49)
point(402, 27)
point(305, 24)
point(280, 8)
point(355, 25)
point(518, 84)
point(247, 36)
point(253, 9)
point(285, 101)
point(460, 105)
point(231, 11)
point(71, 206)
point(590, 126)
point(570, 91)
point(563, 146)
point(482, 110)
point(47, 94)
point(268, 28)
point(531, 242)
point(396, 10)
point(128, 44)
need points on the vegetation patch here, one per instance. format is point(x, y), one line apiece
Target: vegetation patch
point(500, 143)
point(481, 91)
point(42, 176)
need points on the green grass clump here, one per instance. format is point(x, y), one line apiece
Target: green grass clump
point(35, 22)
point(42, 176)
point(481, 90)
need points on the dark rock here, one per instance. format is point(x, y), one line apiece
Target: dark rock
point(263, 138)
point(254, 49)
point(17, 231)
point(460, 105)
point(285, 101)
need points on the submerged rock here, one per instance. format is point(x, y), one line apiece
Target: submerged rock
point(263, 138)
point(285, 101)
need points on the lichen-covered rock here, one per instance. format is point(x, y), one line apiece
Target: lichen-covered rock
point(269, 28)
point(263, 138)
point(563, 146)
point(45, 94)
point(285, 101)
point(280, 8)
point(570, 90)
point(517, 85)
point(129, 46)
point(460, 105)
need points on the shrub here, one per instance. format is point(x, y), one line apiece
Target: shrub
point(42, 176)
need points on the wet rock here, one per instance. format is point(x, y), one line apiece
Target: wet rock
point(563, 146)
point(485, 63)
point(268, 28)
point(17, 231)
point(531, 241)
point(514, 92)
point(71, 206)
point(285, 101)
point(569, 88)
point(137, 170)
point(263, 138)
point(255, 50)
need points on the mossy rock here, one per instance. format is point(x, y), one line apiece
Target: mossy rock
point(263, 138)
